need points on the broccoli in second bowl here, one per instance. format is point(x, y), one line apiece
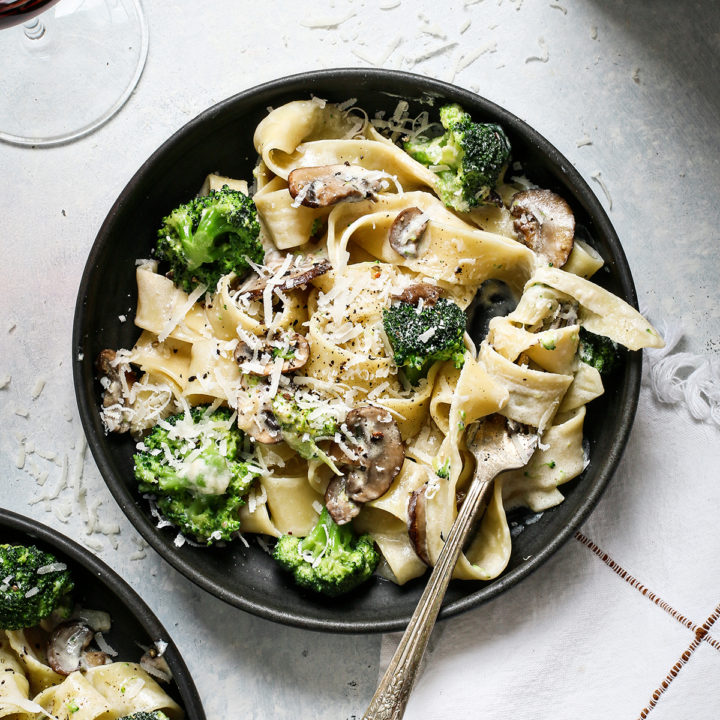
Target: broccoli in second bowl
point(33, 584)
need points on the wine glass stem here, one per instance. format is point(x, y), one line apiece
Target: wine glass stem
point(34, 29)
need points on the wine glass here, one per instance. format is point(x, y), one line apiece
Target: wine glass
point(67, 66)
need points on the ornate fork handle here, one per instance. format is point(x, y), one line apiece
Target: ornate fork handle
point(393, 693)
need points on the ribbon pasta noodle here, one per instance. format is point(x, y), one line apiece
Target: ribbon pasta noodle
point(30, 689)
point(351, 270)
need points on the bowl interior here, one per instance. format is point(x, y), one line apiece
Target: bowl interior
point(220, 140)
point(99, 588)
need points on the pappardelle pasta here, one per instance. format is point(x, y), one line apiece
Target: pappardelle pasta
point(330, 385)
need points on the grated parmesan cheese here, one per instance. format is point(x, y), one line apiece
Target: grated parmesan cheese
point(597, 177)
point(37, 388)
point(179, 312)
point(108, 650)
point(431, 53)
point(540, 58)
point(261, 542)
point(133, 688)
point(326, 22)
point(424, 337)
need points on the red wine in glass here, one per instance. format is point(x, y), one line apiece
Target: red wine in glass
point(14, 12)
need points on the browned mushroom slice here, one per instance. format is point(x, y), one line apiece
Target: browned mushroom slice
point(326, 185)
point(338, 455)
point(296, 276)
point(265, 428)
point(245, 351)
point(341, 508)
point(565, 314)
point(417, 523)
point(66, 645)
point(407, 230)
point(380, 449)
point(107, 367)
point(412, 294)
point(293, 348)
point(493, 198)
point(93, 658)
point(153, 663)
point(545, 223)
point(255, 416)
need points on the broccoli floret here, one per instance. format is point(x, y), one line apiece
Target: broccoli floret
point(331, 560)
point(302, 427)
point(600, 352)
point(155, 715)
point(31, 587)
point(475, 155)
point(415, 347)
point(209, 237)
point(193, 465)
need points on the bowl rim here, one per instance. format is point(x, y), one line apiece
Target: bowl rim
point(629, 389)
point(37, 531)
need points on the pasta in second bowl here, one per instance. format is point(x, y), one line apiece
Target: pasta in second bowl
point(221, 140)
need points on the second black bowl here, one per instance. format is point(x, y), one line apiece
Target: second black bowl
point(99, 588)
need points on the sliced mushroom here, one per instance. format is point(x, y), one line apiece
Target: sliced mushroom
point(417, 523)
point(298, 349)
point(98, 620)
point(113, 394)
point(338, 455)
point(93, 658)
point(407, 230)
point(412, 294)
point(565, 314)
point(297, 275)
point(545, 223)
point(493, 198)
point(327, 185)
point(244, 353)
point(66, 646)
point(153, 663)
point(297, 346)
point(341, 508)
point(255, 415)
point(380, 450)
point(266, 429)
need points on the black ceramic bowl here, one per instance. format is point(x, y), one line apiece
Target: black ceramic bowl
point(220, 139)
point(99, 588)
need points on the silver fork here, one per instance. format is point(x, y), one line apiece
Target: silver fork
point(498, 444)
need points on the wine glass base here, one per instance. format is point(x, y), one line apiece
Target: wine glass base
point(69, 70)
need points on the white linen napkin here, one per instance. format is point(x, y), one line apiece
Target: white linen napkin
point(621, 622)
